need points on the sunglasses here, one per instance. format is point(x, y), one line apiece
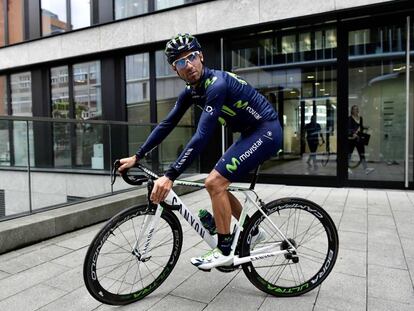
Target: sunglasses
point(182, 62)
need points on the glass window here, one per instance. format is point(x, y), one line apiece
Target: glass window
point(304, 96)
point(4, 125)
point(278, 48)
point(80, 13)
point(15, 21)
point(54, 18)
point(137, 93)
point(163, 4)
point(3, 96)
point(2, 25)
point(127, 8)
point(88, 105)
point(377, 105)
point(169, 87)
point(60, 110)
point(377, 40)
point(21, 102)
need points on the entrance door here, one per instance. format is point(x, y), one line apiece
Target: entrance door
point(377, 103)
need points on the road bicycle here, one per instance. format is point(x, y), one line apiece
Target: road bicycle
point(137, 249)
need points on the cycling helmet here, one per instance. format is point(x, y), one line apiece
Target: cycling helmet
point(180, 43)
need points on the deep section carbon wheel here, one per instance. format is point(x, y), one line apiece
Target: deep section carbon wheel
point(115, 272)
point(309, 229)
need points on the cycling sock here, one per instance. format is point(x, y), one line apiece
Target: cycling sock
point(224, 243)
point(246, 221)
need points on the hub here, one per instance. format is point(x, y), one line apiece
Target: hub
point(292, 254)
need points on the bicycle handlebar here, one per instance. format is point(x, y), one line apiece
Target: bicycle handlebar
point(134, 180)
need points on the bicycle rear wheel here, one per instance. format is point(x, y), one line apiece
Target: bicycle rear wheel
point(313, 233)
point(114, 273)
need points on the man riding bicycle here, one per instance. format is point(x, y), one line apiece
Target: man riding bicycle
point(226, 99)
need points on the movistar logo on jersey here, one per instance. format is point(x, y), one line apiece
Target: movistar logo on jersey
point(236, 162)
point(240, 80)
point(251, 150)
point(227, 110)
point(239, 104)
point(232, 167)
point(209, 82)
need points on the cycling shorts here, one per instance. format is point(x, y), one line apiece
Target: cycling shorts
point(251, 149)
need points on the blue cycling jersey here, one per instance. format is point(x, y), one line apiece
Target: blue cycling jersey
point(225, 98)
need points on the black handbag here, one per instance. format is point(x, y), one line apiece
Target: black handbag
point(364, 138)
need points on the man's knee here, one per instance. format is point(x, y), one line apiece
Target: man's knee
point(215, 183)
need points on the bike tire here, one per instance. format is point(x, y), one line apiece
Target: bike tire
point(114, 274)
point(279, 275)
point(325, 158)
point(354, 164)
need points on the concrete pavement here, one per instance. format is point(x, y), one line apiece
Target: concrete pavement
point(374, 270)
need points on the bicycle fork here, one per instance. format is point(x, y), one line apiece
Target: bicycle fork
point(150, 224)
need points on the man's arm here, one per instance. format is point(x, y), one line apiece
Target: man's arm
point(205, 129)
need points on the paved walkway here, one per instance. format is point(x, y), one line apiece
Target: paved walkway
point(374, 270)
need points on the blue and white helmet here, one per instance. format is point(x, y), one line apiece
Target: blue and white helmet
point(180, 43)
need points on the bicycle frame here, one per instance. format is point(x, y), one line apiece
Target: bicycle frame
point(174, 202)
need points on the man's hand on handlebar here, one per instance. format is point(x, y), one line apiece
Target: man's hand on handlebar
point(127, 163)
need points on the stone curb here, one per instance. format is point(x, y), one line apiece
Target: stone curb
point(20, 232)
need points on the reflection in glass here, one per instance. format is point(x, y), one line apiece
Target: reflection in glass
point(4, 125)
point(298, 94)
point(21, 103)
point(377, 91)
point(80, 13)
point(15, 21)
point(137, 93)
point(127, 8)
point(277, 48)
point(169, 87)
point(384, 39)
point(60, 110)
point(3, 96)
point(88, 105)
point(53, 17)
point(163, 4)
point(411, 103)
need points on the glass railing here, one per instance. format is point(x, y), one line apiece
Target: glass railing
point(48, 163)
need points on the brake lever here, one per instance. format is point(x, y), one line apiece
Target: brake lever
point(115, 167)
point(131, 180)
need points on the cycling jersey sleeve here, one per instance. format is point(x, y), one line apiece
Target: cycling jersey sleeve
point(166, 126)
point(215, 97)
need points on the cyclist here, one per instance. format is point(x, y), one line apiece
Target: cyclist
point(227, 99)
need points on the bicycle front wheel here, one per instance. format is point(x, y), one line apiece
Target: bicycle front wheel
point(309, 229)
point(114, 272)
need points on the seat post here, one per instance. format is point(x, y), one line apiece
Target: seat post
point(254, 178)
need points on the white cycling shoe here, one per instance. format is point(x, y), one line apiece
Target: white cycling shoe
point(258, 238)
point(211, 259)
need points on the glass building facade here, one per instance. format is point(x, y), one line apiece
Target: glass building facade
point(312, 72)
